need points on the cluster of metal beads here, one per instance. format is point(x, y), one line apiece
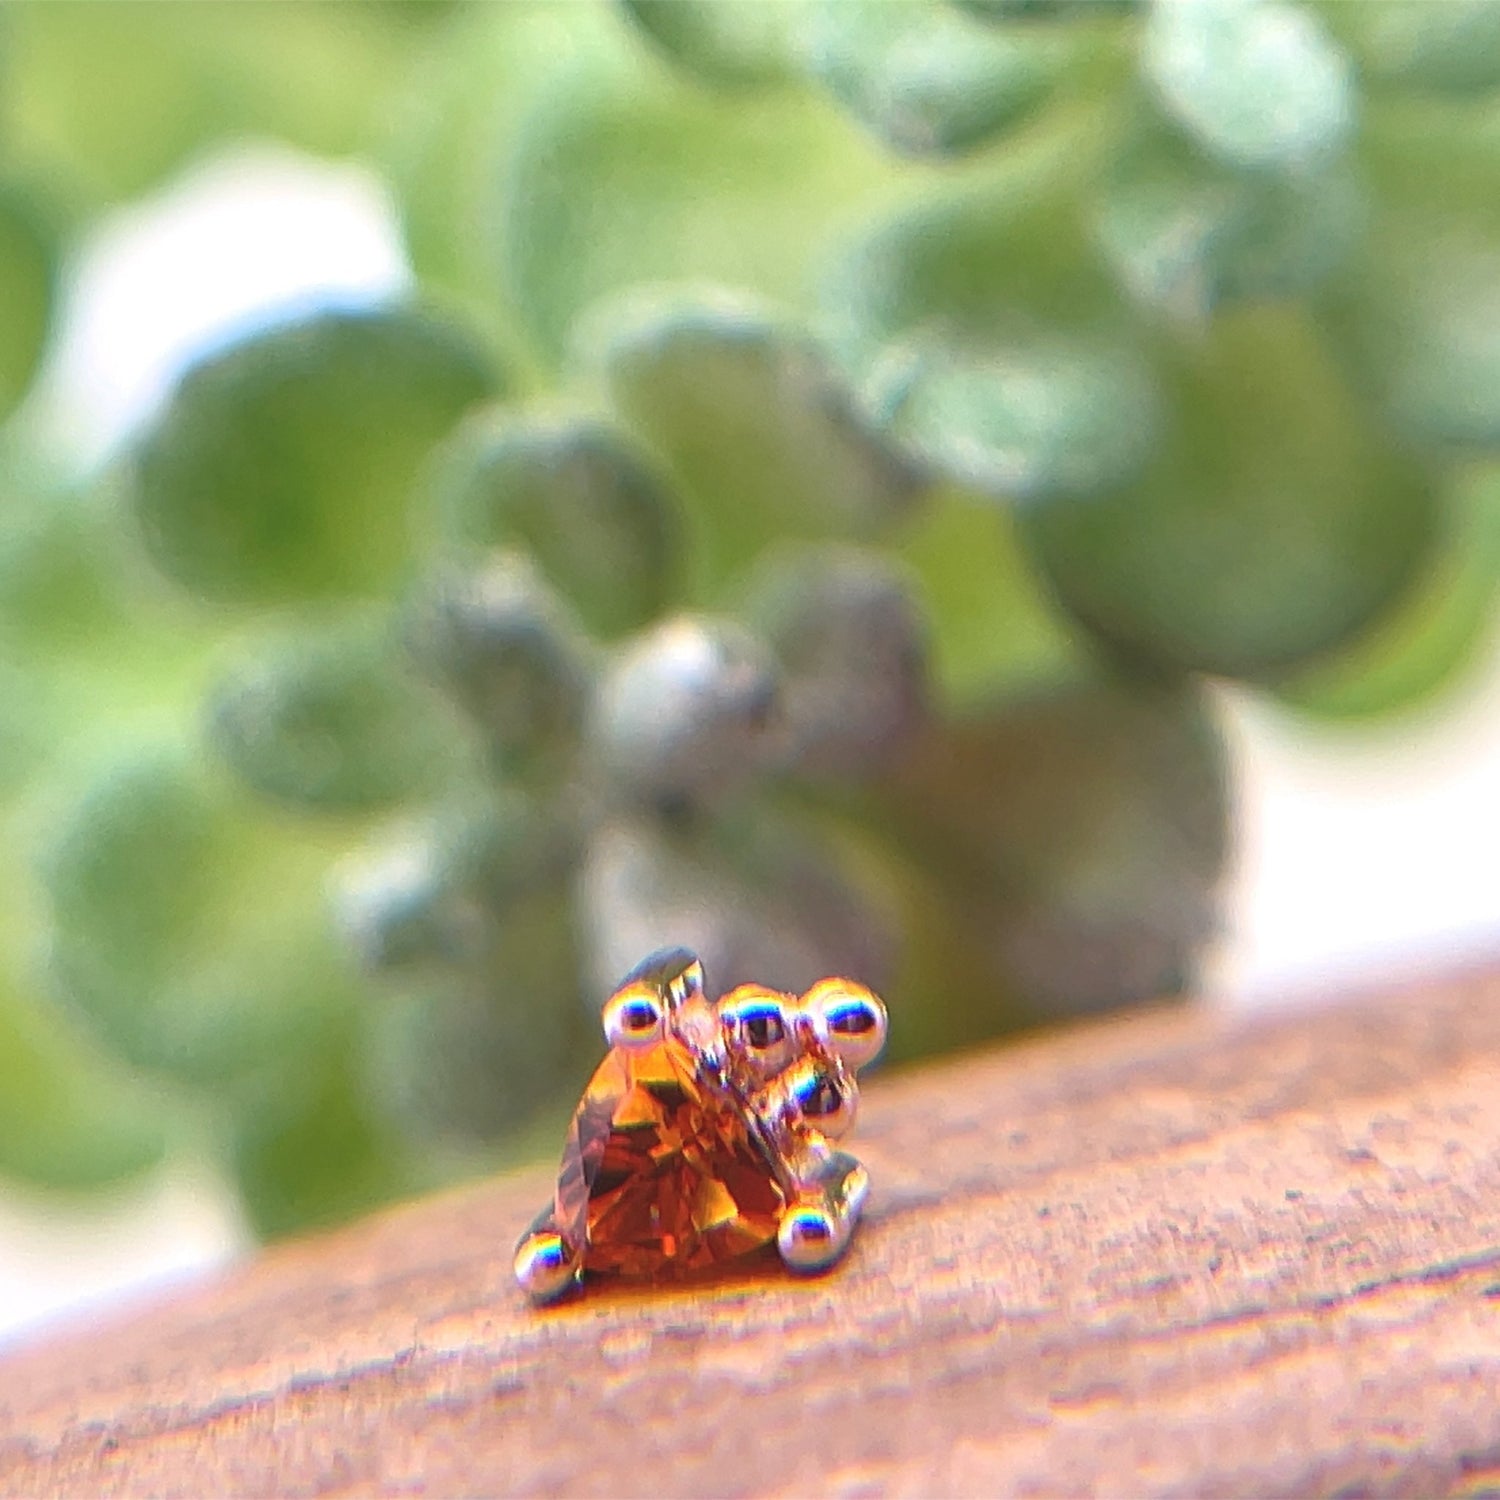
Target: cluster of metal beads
point(786, 1065)
point(793, 1063)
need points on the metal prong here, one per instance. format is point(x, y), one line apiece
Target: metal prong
point(546, 1266)
point(672, 973)
point(817, 1226)
point(640, 1011)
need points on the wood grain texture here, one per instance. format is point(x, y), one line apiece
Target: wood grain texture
point(1172, 1254)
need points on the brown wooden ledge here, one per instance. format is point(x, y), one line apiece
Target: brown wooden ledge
point(1172, 1254)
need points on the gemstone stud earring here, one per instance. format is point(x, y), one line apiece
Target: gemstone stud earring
point(707, 1131)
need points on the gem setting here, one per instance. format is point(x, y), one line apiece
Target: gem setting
point(706, 1132)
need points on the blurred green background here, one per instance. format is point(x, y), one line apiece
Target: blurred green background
point(827, 451)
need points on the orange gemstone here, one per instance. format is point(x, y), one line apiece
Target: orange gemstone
point(657, 1175)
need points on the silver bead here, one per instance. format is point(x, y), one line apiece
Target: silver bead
point(633, 1019)
point(815, 1094)
point(639, 1012)
point(758, 1029)
point(810, 1237)
point(545, 1265)
point(818, 1225)
point(848, 1019)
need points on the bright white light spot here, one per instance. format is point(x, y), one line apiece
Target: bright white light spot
point(1368, 855)
point(246, 238)
point(62, 1255)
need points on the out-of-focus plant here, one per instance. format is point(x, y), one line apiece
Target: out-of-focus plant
point(827, 449)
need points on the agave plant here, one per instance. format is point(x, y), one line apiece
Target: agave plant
point(829, 453)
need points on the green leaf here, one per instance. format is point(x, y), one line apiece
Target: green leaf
point(623, 175)
point(92, 656)
point(1005, 254)
point(67, 1118)
point(1045, 416)
point(1256, 83)
point(58, 584)
point(924, 77)
point(283, 467)
point(1057, 855)
point(1452, 47)
point(190, 932)
point(1438, 635)
point(738, 44)
point(509, 653)
point(1417, 318)
point(1278, 521)
point(463, 1064)
point(758, 427)
point(28, 291)
point(324, 715)
point(849, 634)
point(1186, 235)
point(307, 1148)
point(110, 98)
point(993, 628)
point(54, 604)
point(574, 494)
point(686, 716)
point(759, 897)
point(1044, 10)
point(443, 898)
point(460, 1073)
point(993, 343)
point(451, 124)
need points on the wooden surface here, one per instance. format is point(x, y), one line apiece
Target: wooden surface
point(1175, 1254)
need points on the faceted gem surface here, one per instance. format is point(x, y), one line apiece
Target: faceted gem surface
point(658, 1175)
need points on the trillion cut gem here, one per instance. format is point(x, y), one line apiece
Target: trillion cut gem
point(658, 1174)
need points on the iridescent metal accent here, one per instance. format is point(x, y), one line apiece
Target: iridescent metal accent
point(707, 1131)
point(758, 1028)
point(818, 1224)
point(814, 1094)
point(848, 1019)
point(546, 1265)
point(633, 1020)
